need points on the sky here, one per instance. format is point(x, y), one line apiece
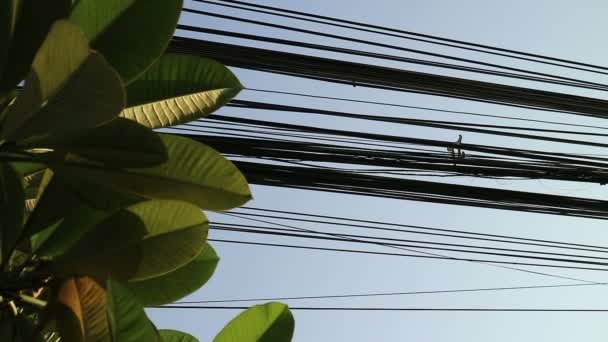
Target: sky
point(565, 29)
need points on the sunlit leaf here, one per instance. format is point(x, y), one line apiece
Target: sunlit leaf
point(145, 240)
point(179, 283)
point(270, 322)
point(131, 34)
point(27, 25)
point(80, 310)
point(194, 172)
point(179, 88)
point(69, 88)
point(119, 143)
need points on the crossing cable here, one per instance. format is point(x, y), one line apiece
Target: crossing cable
point(367, 42)
point(540, 77)
point(467, 127)
point(407, 35)
point(310, 308)
point(359, 223)
point(412, 256)
point(386, 294)
point(456, 125)
point(385, 243)
point(254, 146)
point(499, 264)
point(381, 77)
point(387, 240)
point(510, 152)
point(268, 91)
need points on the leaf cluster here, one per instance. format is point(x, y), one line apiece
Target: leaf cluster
point(100, 216)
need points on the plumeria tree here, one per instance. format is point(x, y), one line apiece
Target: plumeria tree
point(100, 216)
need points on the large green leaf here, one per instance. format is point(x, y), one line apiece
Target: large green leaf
point(194, 172)
point(29, 24)
point(69, 88)
point(55, 201)
point(176, 336)
point(179, 88)
point(271, 322)
point(12, 202)
point(119, 143)
point(143, 241)
point(131, 34)
point(127, 317)
point(8, 18)
point(79, 308)
point(175, 285)
point(27, 168)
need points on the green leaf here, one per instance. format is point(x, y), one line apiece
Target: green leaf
point(27, 168)
point(30, 22)
point(12, 202)
point(145, 240)
point(173, 286)
point(8, 18)
point(131, 34)
point(270, 322)
point(58, 238)
point(55, 202)
point(176, 336)
point(119, 143)
point(79, 309)
point(194, 172)
point(127, 317)
point(69, 88)
point(179, 88)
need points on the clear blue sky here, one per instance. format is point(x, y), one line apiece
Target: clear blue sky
point(567, 29)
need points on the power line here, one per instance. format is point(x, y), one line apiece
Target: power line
point(400, 225)
point(386, 294)
point(312, 308)
point(405, 232)
point(365, 27)
point(483, 250)
point(380, 77)
point(406, 255)
point(438, 255)
point(539, 76)
point(424, 108)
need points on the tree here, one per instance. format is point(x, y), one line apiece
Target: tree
point(101, 216)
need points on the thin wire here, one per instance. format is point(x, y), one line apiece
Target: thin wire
point(393, 224)
point(372, 43)
point(428, 254)
point(410, 33)
point(539, 77)
point(387, 294)
point(398, 242)
point(423, 108)
point(416, 256)
point(310, 308)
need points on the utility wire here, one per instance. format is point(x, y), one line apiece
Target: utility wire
point(268, 91)
point(311, 308)
point(433, 255)
point(386, 294)
point(387, 240)
point(380, 77)
point(407, 35)
point(540, 77)
point(355, 40)
point(407, 255)
point(359, 223)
